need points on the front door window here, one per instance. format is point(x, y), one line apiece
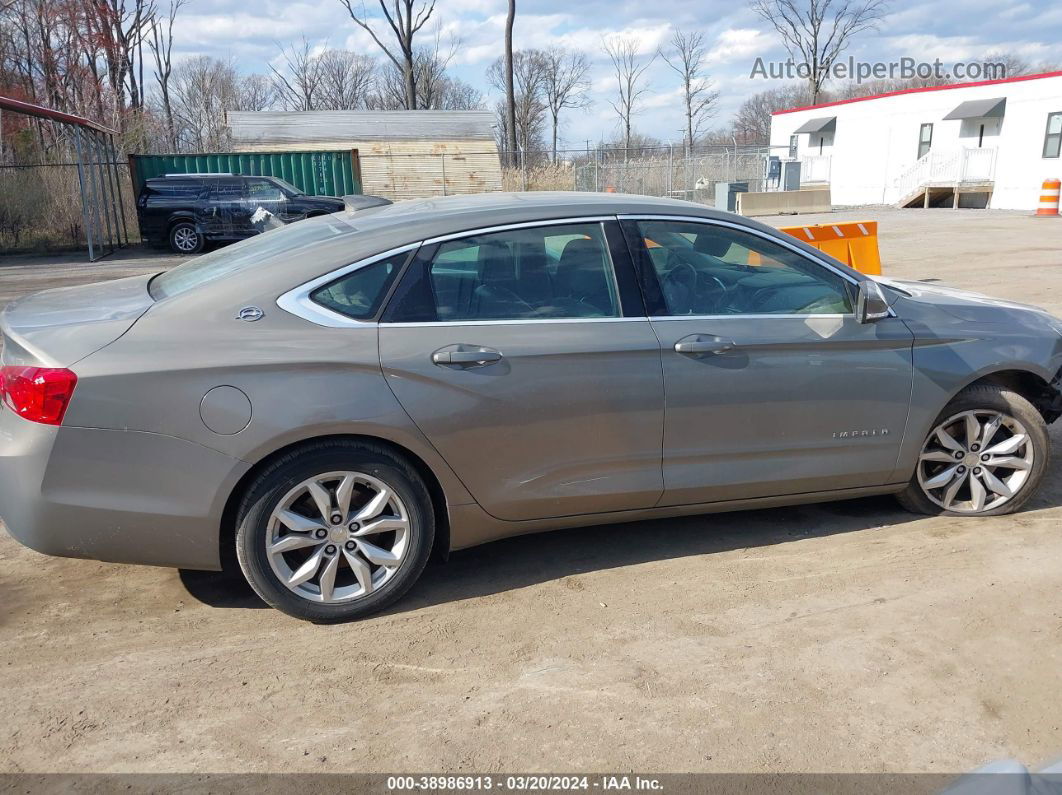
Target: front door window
point(704, 269)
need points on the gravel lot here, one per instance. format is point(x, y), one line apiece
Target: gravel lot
point(842, 637)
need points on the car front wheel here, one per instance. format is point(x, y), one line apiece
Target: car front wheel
point(335, 531)
point(185, 239)
point(985, 456)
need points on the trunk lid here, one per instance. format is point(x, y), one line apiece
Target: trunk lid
point(59, 327)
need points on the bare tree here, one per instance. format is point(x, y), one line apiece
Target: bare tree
point(430, 65)
point(435, 89)
point(686, 58)
point(459, 95)
point(255, 92)
point(346, 80)
point(405, 19)
point(203, 88)
point(752, 123)
point(120, 30)
point(529, 106)
point(564, 84)
point(161, 45)
point(508, 81)
point(1008, 64)
point(629, 69)
point(299, 82)
point(816, 32)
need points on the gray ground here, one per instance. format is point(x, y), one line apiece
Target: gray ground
point(843, 637)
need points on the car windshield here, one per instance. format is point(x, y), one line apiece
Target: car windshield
point(246, 254)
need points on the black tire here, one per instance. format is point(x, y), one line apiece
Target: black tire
point(285, 474)
point(1005, 401)
point(185, 230)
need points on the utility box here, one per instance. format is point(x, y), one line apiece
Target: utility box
point(774, 170)
point(791, 175)
point(726, 195)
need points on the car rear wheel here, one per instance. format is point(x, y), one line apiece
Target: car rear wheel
point(185, 239)
point(985, 456)
point(335, 531)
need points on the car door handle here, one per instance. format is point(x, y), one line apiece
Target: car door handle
point(465, 358)
point(698, 344)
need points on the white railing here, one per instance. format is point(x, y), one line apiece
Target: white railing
point(979, 165)
point(815, 168)
point(945, 167)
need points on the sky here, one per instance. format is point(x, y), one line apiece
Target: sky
point(252, 35)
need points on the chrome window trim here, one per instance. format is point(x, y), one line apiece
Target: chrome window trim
point(297, 301)
point(743, 228)
point(486, 230)
point(520, 322)
point(763, 316)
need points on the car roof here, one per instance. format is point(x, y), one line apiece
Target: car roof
point(535, 203)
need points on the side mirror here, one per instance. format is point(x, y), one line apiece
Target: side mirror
point(871, 304)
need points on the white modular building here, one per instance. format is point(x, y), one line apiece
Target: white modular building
point(986, 144)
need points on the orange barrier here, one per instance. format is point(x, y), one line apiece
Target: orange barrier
point(1049, 198)
point(855, 244)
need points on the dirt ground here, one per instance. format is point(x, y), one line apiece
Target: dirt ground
point(842, 637)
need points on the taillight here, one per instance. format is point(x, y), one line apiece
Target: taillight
point(38, 394)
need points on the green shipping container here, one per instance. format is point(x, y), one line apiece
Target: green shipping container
point(332, 173)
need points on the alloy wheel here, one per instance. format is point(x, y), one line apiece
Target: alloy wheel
point(975, 461)
point(337, 537)
point(186, 238)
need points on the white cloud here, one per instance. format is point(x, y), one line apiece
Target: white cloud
point(735, 43)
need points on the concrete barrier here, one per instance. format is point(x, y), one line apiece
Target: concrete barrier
point(812, 200)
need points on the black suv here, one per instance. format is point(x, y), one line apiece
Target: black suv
point(186, 210)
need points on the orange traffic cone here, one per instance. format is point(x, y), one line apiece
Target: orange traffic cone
point(1049, 198)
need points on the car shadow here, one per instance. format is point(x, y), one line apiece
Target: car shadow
point(226, 589)
point(518, 562)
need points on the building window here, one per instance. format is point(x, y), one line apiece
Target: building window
point(1053, 138)
point(794, 141)
point(925, 140)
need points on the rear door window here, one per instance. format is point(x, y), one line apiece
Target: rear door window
point(558, 271)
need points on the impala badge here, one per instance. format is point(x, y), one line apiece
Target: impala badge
point(250, 314)
point(860, 433)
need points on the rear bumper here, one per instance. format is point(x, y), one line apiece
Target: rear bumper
point(118, 496)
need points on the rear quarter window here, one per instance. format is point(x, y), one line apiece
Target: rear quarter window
point(358, 294)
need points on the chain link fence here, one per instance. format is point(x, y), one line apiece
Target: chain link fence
point(666, 171)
